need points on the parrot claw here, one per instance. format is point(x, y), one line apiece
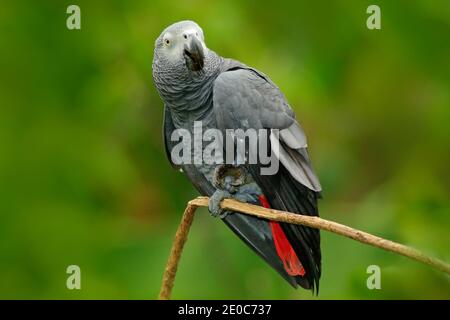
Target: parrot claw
point(214, 203)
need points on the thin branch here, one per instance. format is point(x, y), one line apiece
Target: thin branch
point(177, 249)
point(282, 216)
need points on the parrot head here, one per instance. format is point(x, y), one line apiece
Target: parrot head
point(180, 48)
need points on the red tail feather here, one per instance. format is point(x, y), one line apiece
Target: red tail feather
point(284, 249)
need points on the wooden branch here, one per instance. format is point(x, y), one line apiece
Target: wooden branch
point(282, 216)
point(177, 249)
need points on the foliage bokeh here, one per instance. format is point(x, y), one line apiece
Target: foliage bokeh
point(84, 179)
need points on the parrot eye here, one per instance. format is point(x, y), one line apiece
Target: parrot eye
point(167, 42)
point(185, 36)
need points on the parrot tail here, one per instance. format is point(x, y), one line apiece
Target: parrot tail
point(284, 249)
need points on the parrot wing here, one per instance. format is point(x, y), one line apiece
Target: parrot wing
point(251, 230)
point(245, 98)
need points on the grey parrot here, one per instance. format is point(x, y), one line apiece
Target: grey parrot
point(198, 86)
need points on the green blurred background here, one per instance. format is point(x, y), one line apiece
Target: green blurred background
point(84, 179)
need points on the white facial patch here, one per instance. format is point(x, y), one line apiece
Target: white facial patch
point(174, 42)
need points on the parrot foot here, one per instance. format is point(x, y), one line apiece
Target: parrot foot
point(214, 203)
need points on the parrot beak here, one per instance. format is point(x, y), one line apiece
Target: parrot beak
point(193, 53)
